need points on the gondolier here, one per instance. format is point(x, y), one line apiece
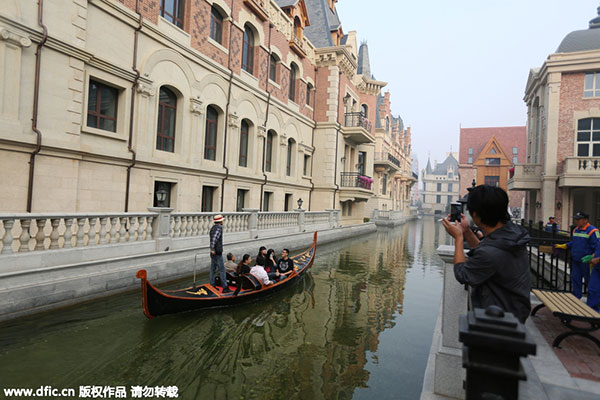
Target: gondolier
point(216, 253)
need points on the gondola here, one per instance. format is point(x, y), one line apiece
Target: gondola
point(156, 302)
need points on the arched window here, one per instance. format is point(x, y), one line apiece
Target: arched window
point(269, 150)
point(167, 112)
point(172, 11)
point(248, 50)
point(290, 153)
point(364, 109)
point(588, 137)
point(273, 67)
point(216, 25)
point(243, 157)
point(297, 28)
point(210, 137)
point(292, 85)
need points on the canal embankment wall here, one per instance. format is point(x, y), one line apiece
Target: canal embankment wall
point(74, 258)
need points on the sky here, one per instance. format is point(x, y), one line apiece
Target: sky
point(459, 63)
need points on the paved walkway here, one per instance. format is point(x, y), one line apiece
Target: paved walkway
point(580, 356)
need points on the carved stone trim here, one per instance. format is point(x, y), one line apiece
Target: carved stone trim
point(196, 106)
point(15, 38)
point(145, 89)
point(234, 120)
point(262, 131)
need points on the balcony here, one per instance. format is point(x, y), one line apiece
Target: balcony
point(357, 128)
point(355, 187)
point(259, 7)
point(384, 161)
point(297, 45)
point(525, 177)
point(580, 171)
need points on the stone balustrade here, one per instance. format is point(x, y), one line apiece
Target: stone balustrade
point(391, 217)
point(24, 233)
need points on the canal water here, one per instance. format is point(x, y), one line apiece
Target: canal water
point(358, 326)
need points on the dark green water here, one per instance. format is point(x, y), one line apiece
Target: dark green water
point(359, 326)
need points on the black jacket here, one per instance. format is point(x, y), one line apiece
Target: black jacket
point(216, 239)
point(498, 271)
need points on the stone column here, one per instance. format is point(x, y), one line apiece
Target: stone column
point(252, 222)
point(301, 220)
point(449, 374)
point(161, 227)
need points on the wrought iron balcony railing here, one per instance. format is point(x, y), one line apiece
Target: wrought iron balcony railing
point(357, 119)
point(354, 179)
point(385, 156)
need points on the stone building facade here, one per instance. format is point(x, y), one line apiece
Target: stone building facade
point(561, 174)
point(487, 156)
point(440, 185)
point(203, 105)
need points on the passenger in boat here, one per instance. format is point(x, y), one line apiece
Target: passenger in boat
point(230, 264)
point(261, 258)
point(285, 266)
point(244, 266)
point(271, 262)
point(259, 273)
point(216, 253)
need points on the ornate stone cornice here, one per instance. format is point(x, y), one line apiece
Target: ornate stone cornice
point(14, 38)
point(337, 56)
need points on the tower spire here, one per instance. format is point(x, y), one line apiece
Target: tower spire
point(595, 23)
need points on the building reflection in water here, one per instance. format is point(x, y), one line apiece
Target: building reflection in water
point(313, 342)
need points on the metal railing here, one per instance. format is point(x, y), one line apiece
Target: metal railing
point(386, 156)
point(354, 179)
point(357, 119)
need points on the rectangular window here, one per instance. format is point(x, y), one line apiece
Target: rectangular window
point(470, 151)
point(515, 151)
point(449, 187)
point(515, 160)
point(273, 68)
point(438, 199)
point(308, 94)
point(162, 194)
point(449, 199)
point(208, 196)
point(241, 200)
point(305, 172)
point(287, 205)
point(470, 160)
point(492, 180)
point(362, 158)
point(102, 106)
point(288, 164)
point(384, 184)
point(172, 11)
point(592, 84)
point(267, 201)
point(439, 187)
point(492, 161)
point(588, 137)
point(216, 25)
point(269, 155)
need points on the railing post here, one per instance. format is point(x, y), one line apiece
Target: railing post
point(161, 227)
point(252, 222)
point(376, 213)
point(301, 220)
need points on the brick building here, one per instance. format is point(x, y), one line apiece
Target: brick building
point(486, 155)
point(561, 174)
point(221, 104)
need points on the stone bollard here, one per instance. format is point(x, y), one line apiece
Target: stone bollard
point(301, 220)
point(161, 227)
point(252, 222)
point(494, 342)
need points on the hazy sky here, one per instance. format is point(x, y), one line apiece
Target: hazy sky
point(459, 62)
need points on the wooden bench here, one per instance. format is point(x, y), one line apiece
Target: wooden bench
point(569, 308)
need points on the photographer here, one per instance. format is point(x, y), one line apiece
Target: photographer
point(498, 267)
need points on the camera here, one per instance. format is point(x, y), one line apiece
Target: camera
point(455, 211)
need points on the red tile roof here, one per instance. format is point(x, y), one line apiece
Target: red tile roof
point(508, 137)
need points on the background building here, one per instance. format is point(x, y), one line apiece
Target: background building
point(487, 156)
point(219, 105)
point(561, 174)
point(440, 185)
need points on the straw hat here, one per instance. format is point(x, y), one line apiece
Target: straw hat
point(218, 218)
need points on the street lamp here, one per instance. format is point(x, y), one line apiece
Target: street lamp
point(300, 203)
point(161, 196)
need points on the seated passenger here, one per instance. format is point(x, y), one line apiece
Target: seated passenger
point(230, 265)
point(261, 257)
point(244, 266)
point(261, 275)
point(285, 266)
point(271, 262)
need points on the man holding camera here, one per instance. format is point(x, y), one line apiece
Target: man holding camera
point(498, 266)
